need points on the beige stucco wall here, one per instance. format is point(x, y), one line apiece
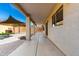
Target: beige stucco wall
point(66, 37)
point(6, 27)
point(16, 29)
point(22, 28)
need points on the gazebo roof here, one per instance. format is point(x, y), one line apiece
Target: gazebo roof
point(11, 20)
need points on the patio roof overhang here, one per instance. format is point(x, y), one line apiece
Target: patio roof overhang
point(38, 12)
point(24, 11)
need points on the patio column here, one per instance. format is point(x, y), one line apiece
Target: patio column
point(28, 29)
point(34, 28)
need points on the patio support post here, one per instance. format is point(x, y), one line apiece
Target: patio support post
point(34, 28)
point(28, 29)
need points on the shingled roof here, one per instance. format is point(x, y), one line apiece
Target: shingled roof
point(11, 20)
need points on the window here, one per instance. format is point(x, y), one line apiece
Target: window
point(57, 18)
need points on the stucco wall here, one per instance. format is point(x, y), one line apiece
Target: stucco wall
point(23, 29)
point(66, 37)
point(5, 27)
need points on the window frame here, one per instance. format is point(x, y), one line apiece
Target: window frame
point(55, 17)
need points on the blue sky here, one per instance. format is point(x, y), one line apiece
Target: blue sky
point(7, 9)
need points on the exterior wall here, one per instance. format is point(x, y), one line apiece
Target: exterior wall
point(22, 28)
point(6, 27)
point(16, 29)
point(66, 37)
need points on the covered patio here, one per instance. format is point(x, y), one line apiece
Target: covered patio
point(37, 42)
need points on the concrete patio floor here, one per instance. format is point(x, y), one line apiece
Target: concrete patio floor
point(38, 46)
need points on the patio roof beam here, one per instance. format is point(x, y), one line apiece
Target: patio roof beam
point(22, 10)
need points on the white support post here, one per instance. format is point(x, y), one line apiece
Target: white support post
point(34, 28)
point(28, 29)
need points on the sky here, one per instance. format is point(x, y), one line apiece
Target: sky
point(7, 9)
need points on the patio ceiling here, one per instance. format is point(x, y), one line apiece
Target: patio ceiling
point(38, 11)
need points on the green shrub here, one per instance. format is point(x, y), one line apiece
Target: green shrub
point(5, 33)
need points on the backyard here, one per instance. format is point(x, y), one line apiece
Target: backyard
point(5, 35)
